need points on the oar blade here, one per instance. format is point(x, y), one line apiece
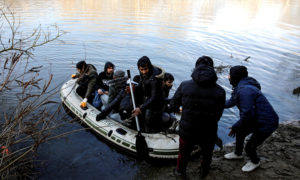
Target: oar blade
point(141, 147)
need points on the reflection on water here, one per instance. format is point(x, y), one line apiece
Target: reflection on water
point(173, 33)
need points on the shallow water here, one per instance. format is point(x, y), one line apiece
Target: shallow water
point(173, 33)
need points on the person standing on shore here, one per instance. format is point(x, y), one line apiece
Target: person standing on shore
point(257, 116)
point(202, 101)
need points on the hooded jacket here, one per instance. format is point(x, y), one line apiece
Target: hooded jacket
point(88, 78)
point(256, 113)
point(103, 77)
point(150, 90)
point(202, 101)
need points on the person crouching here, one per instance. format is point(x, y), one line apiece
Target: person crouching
point(87, 77)
point(257, 116)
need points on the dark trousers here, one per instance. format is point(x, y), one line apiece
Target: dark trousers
point(185, 149)
point(256, 139)
point(152, 121)
point(81, 90)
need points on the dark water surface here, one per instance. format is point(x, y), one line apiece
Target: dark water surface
point(173, 33)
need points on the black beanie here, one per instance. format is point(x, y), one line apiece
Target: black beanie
point(206, 60)
point(237, 73)
point(80, 64)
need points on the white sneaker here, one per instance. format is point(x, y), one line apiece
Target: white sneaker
point(232, 155)
point(250, 166)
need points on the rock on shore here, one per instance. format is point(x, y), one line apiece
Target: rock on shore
point(280, 159)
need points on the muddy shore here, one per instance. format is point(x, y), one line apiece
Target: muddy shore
point(280, 159)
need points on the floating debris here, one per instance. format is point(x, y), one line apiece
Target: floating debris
point(247, 58)
point(221, 68)
point(296, 91)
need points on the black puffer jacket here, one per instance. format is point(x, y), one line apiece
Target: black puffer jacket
point(150, 89)
point(256, 112)
point(202, 101)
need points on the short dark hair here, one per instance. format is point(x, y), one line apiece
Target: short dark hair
point(168, 77)
point(80, 64)
point(144, 62)
point(205, 60)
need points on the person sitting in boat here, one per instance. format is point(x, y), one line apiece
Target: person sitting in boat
point(102, 86)
point(116, 93)
point(87, 77)
point(168, 117)
point(119, 97)
point(167, 84)
point(152, 102)
point(126, 105)
point(202, 101)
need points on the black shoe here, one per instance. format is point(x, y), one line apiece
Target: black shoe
point(177, 173)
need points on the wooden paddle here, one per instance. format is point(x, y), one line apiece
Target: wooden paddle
point(140, 142)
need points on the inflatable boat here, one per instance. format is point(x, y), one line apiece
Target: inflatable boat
point(112, 129)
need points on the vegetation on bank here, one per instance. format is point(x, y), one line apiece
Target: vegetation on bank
point(25, 118)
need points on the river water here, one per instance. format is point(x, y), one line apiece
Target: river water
point(173, 34)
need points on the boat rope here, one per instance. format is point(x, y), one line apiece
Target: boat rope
point(166, 134)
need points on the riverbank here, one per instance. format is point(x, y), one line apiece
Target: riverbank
point(280, 159)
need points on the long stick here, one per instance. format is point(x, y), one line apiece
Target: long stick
point(133, 101)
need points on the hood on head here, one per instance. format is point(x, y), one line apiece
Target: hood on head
point(107, 65)
point(158, 72)
point(204, 75)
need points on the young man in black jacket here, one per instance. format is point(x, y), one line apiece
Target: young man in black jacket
point(151, 101)
point(202, 101)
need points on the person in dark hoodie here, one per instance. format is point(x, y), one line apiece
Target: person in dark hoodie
point(206, 60)
point(151, 102)
point(257, 116)
point(202, 101)
point(87, 76)
point(101, 84)
point(116, 93)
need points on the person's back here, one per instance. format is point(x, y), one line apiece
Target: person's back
point(264, 118)
point(202, 105)
point(202, 101)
